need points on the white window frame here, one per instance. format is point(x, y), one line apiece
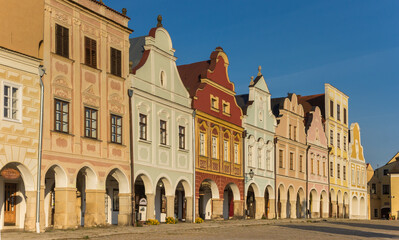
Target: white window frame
point(19, 101)
point(225, 150)
point(250, 155)
point(202, 144)
point(215, 147)
point(236, 153)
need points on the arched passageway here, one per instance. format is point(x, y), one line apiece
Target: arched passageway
point(117, 203)
point(183, 202)
point(251, 203)
point(208, 192)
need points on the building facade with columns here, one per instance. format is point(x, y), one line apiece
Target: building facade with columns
point(21, 24)
point(162, 130)
point(317, 163)
point(219, 182)
point(358, 176)
point(86, 163)
point(334, 109)
point(290, 151)
point(259, 124)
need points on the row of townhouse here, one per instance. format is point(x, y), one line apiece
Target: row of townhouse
point(128, 135)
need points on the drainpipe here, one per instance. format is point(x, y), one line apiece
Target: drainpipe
point(130, 94)
point(42, 71)
point(193, 149)
point(244, 135)
point(307, 183)
point(329, 174)
point(275, 181)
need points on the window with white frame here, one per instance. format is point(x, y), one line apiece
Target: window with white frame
point(226, 150)
point(268, 163)
point(353, 176)
point(235, 153)
point(250, 156)
point(214, 147)
point(260, 158)
point(11, 104)
point(202, 144)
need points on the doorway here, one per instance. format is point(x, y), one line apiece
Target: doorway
point(10, 208)
point(251, 203)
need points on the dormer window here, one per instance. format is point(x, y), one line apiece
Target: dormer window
point(214, 103)
point(226, 107)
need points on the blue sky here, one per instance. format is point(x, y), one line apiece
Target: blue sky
point(353, 45)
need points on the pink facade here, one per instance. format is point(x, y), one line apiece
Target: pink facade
point(317, 162)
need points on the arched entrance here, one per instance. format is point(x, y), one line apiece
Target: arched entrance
point(324, 204)
point(207, 191)
point(55, 178)
point(183, 201)
point(345, 204)
point(117, 198)
point(300, 204)
point(162, 190)
point(355, 207)
point(251, 203)
point(230, 194)
point(332, 204)
point(267, 203)
point(312, 204)
point(144, 198)
point(86, 179)
point(281, 202)
point(291, 203)
point(340, 205)
point(362, 210)
point(18, 196)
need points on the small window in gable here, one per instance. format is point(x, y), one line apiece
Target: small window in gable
point(163, 79)
point(214, 103)
point(226, 107)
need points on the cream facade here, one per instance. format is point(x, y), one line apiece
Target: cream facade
point(259, 124)
point(86, 163)
point(358, 183)
point(162, 130)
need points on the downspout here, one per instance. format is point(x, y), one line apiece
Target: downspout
point(194, 167)
point(133, 199)
point(329, 174)
point(243, 170)
point(275, 180)
point(307, 184)
point(42, 71)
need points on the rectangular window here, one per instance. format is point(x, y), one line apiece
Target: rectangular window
point(300, 163)
point(226, 151)
point(385, 189)
point(116, 59)
point(214, 102)
point(331, 169)
point(338, 171)
point(353, 176)
point(235, 153)
point(162, 132)
point(289, 131)
point(324, 169)
point(182, 137)
point(344, 143)
point(344, 172)
point(318, 167)
point(291, 161)
point(202, 144)
point(338, 112)
point(226, 107)
point(386, 171)
point(268, 165)
point(280, 158)
point(61, 117)
point(344, 115)
point(90, 52)
point(331, 108)
point(143, 126)
point(90, 123)
point(116, 129)
point(338, 140)
point(260, 158)
point(11, 102)
point(331, 137)
point(376, 212)
point(358, 177)
point(250, 156)
point(311, 166)
point(295, 133)
point(373, 188)
point(61, 41)
point(214, 147)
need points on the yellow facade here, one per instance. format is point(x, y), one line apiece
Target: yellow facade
point(336, 115)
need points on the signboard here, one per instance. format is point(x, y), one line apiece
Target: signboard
point(10, 173)
point(143, 202)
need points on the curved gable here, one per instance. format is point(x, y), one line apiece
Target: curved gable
point(163, 40)
point(355, 146)
point(315, 130)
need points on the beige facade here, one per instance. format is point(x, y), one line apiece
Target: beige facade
point(86, 163)
point(384, 190)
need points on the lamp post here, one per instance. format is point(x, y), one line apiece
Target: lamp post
point(42, 71)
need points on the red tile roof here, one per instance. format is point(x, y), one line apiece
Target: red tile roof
point(191, 75)
point(111, 9)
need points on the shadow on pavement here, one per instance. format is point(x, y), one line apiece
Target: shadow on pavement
point(368, 225)
point(341, 231)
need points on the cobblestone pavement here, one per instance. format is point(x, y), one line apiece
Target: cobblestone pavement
point(233, 229)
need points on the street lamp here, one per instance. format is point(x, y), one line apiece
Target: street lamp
point(251, 175)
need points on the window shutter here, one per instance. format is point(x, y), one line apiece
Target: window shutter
point(87, 51)
point(94, 53)
point(118, 63)
point(66, 43)
point(58, 39)
point(113, 58)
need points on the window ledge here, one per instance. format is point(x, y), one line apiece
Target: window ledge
point(12, 120)
point(63, 133)
point(214, 109)
point(164, 146)
point(115, 76)
point(93, 139)
point(62, 57)
point(115, 143)
point(144, 141)
point(183, 150)
point(91, 67)
point(227, 114)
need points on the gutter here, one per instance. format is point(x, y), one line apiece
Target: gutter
point(133, 201)
point(194, 167)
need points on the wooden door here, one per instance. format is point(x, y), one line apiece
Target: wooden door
point(10, 207)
